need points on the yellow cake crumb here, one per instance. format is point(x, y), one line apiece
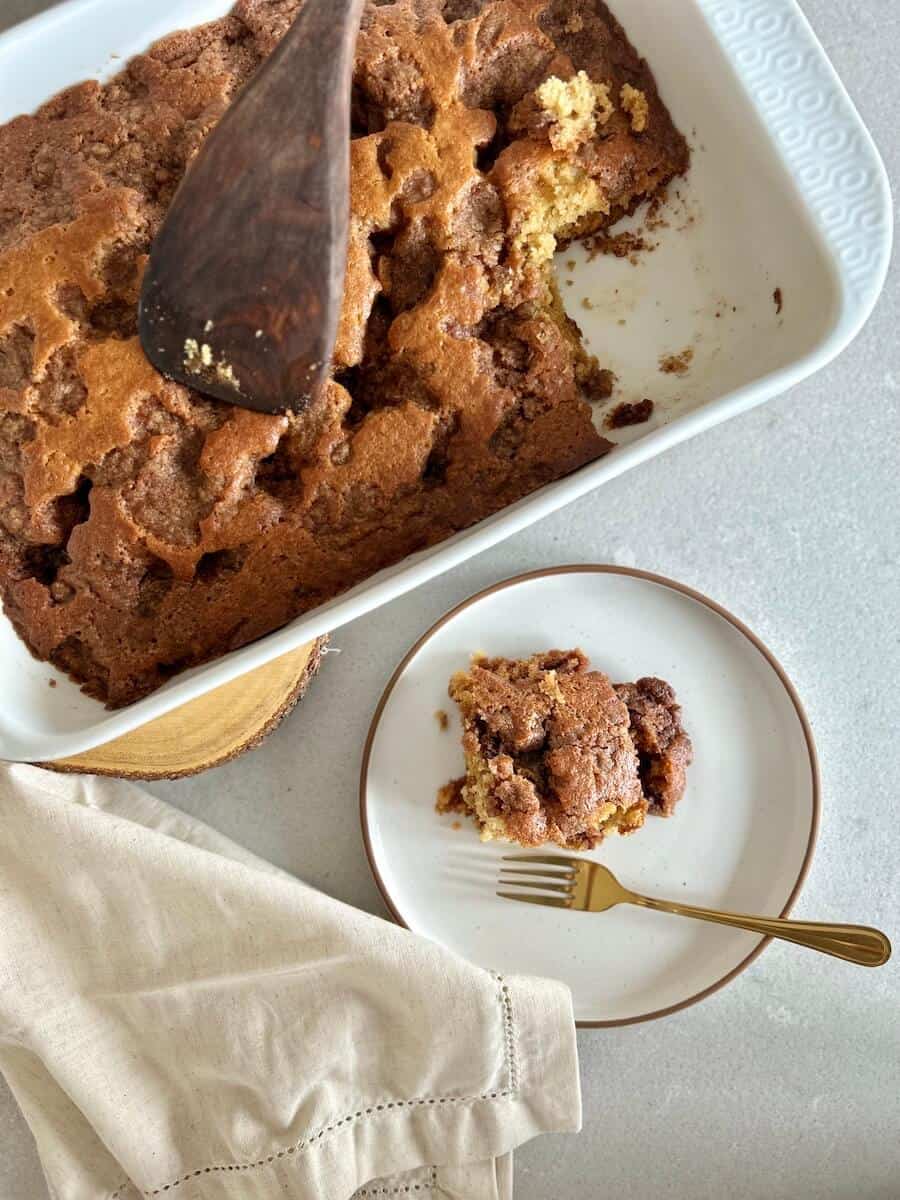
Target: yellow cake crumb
point(549, 685)
point(442, 719)
point(563, 196)
point(199, 358)
point(575, 24)
point(225, 372)
point(196, 357)
point(577, 106)
point(677, 364)
point(635, 103)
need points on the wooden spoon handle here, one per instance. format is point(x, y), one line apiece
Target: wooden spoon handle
point(306, 86)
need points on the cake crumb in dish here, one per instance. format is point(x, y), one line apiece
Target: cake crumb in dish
point(555, 753)
point(442, 719)
point(225, 372)
point(599, 384)
point(779, 300)
point(199, 359)
point(635, 104)
point(655, 217)
point(624, 415)
point(576, 107)
point(619, 245)
point(677, 364)
point(562, 196)
point(196, 357)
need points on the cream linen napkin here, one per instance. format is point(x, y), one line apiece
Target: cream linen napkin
point(180, 1019)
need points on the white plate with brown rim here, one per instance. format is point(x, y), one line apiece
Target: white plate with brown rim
point(742, 838)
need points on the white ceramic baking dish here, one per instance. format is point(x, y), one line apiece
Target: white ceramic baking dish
point(786, 192)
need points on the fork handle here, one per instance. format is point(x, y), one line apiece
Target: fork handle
point(855, 943)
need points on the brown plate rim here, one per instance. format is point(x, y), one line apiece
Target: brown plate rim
point(684, 590)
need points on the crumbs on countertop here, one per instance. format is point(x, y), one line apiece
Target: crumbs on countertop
point(677, 364)
point(630, 414)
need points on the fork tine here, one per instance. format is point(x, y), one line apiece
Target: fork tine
point(549, 860)
point(540, 885)
point(524, 898)
point(537, 873)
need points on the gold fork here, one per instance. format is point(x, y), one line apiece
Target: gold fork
point(559, 881)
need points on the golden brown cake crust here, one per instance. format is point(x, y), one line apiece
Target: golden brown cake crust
point(555, 753)
point(144, 528)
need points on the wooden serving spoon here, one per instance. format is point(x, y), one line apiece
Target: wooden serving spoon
point(242, 294)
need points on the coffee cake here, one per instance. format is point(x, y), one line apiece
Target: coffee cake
point(144, 528)
point(555, 753)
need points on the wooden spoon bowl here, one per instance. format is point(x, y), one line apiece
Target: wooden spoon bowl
point(242, 295)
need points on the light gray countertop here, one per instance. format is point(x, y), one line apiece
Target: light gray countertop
point(786, 1084)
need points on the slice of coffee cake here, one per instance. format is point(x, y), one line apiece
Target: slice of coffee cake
point(555, 753)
